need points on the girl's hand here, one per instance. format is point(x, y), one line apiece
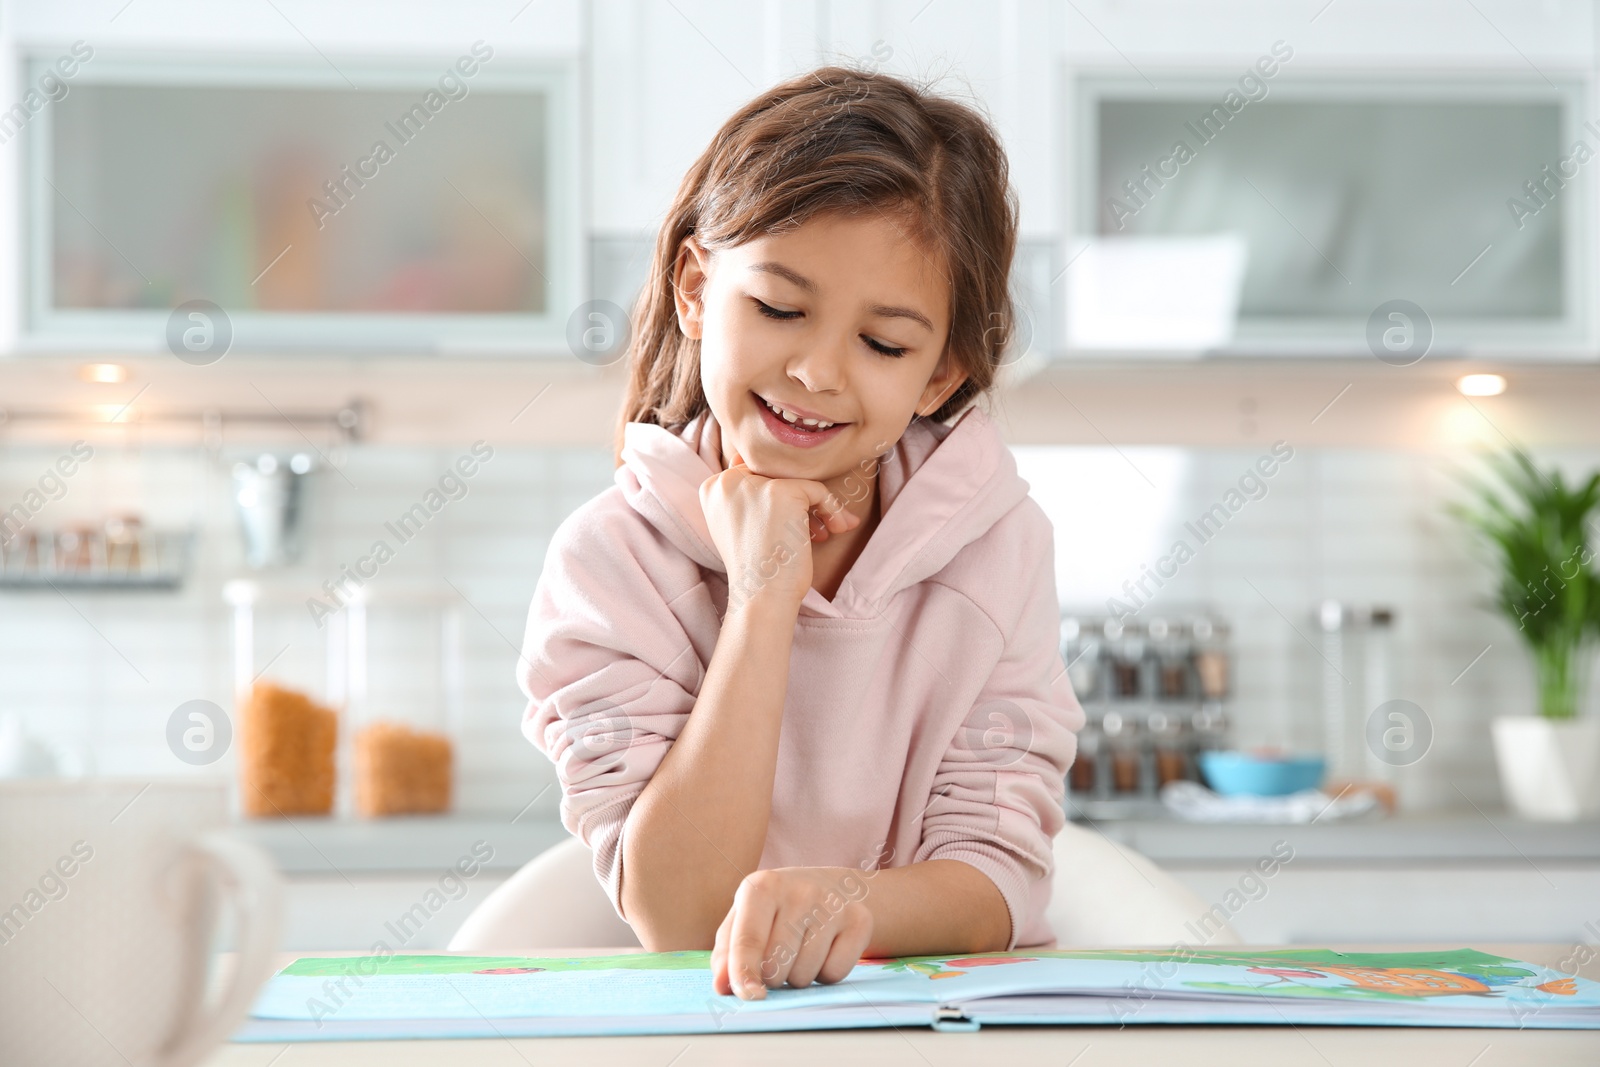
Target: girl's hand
point(788, 924)
point(763, 528)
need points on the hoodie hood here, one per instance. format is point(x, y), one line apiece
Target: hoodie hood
point(941, 487)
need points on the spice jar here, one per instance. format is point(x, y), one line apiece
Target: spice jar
point(1122, 744)
point(1210, 657)
point(1125, 648)
point(80, 549)
point(123, 535)
point(1170, 750)
point(1209, 727)
point(1080, 651)
point(1081, 776)
point(1172, 656)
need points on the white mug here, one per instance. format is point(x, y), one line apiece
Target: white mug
point(109, 899)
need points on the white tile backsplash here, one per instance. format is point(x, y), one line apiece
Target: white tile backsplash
point(1361, 526)
point(102, 671)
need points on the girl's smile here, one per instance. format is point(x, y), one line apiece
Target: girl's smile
point(795, 432)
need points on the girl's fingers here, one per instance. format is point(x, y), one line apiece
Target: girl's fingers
point(719, 956)
point(829, 514)
point(843, 520)
point(830, 511)
point(812, 953)
point(818, 524)
point(845, 953)
point(748, 938)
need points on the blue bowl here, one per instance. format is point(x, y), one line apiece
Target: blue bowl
point(1242, 774)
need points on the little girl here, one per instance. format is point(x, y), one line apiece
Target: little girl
point(798, 669)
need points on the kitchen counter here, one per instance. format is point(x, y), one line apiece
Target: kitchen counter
point(310, 846)
point(1442, 838)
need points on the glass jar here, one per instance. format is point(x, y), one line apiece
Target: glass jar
point(1210, 639)
point(1122, 747)
point(1377, 673)
point(1172, 763)
point(1125, 648)
point(1208, 730)
point(1082, 778)
point(1080, 652)
point(404, 725)
point(1171, 647)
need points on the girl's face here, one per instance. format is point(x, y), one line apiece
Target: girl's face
point(842, 319)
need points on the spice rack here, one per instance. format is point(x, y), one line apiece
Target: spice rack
point(1154, 692)
point(118, 553)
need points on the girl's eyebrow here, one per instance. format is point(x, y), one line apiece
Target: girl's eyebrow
point(884, 310)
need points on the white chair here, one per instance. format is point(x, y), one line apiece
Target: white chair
point(553, 901)
point(1104, 894)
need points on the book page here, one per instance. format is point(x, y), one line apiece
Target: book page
point(453, 987)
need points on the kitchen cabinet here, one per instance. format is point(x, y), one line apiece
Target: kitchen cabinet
point(205, 185)
point(1350, 193)
point(432, 208)
point(1334, 138)
point(664, 77)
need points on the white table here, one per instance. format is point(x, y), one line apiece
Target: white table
point(1059, 1046)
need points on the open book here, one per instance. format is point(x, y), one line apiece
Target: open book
point(375, 997)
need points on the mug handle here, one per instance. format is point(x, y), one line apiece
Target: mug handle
point(249, 877)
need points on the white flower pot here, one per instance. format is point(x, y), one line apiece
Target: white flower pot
point(1549, 769)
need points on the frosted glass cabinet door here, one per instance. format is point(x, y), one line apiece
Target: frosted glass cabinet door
point(1352, 195)
point(431, 200)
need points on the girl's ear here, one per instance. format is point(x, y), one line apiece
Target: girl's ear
point(945, 381)
point(688, 286)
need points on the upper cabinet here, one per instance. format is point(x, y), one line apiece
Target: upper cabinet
point(419, 195)
point(421, 206)
point(1345, 195)
point(1341, 179)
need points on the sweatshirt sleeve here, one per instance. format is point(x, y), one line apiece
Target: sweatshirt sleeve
point(610, 675)
point(998, 796)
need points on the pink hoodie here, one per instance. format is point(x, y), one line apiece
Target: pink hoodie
point(928, 713)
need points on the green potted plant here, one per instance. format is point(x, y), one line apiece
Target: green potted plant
point(1538, 528)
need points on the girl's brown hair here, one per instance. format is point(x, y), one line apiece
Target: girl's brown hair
point(852, 142)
